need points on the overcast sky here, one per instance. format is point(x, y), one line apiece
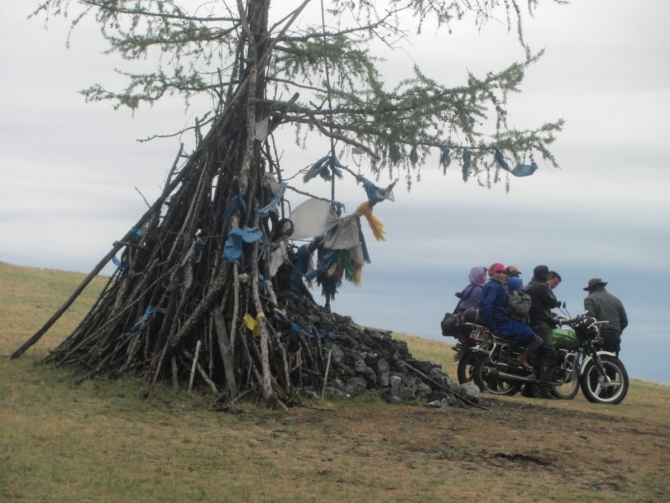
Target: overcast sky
point(68, 170)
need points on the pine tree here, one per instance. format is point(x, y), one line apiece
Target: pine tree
point(173, 290)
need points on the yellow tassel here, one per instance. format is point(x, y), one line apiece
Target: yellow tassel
point(358, 277)
point(375, 225)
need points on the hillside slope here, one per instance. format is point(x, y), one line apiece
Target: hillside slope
point(102, 441)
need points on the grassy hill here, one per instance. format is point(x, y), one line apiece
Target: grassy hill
point(101, 441)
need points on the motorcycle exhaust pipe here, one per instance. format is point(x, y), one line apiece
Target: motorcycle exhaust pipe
point(496, 374)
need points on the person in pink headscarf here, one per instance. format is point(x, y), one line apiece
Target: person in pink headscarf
point(469, 297)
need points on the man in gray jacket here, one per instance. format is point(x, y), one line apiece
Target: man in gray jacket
point(606, 307)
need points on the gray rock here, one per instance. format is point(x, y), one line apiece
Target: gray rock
point(337, 356)
point(423, 366)
point(407, 394)
point(361, 367)
point(437, 404)
point(441, 377)
point(423, 390)
point(384, 379)
point(410, 382)
point(470, 391)
point(370, 376)
point(357, 383)
point(383, 365)
point(335, 392)
point(346, 389)
point(395, 382)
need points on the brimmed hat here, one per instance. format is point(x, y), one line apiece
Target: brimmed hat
point(512, 269)
point(595, 282)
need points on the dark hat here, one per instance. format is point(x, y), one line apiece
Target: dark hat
point(512, 269)
point(595, 282)
point(541, 272)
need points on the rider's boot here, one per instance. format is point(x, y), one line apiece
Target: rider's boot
point(523, 360)
point(544, 388)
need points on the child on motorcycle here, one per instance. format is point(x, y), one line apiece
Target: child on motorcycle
point(494, 305)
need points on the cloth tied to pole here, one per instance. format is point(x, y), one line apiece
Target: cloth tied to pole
point(235, 202)
point(376, 226)
point(375, 194)
point(272, 206)
point(232, 250)
point(150, 311)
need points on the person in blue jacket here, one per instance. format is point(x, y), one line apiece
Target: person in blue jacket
point(493, 303)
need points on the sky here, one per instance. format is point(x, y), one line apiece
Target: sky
point(70, 171)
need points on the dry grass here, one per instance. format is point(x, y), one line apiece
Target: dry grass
point(102, 442)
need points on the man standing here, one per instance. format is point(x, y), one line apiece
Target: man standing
point(542, 302)
point(606, 307)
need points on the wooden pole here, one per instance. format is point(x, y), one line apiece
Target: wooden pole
point(195, 363)
point(117, 246)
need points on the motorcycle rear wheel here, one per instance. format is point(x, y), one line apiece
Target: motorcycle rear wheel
point(493, 385)
point(568, 390)
point(594, 387)
point(466, 366)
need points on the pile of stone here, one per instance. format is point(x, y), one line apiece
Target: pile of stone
point(367, 361)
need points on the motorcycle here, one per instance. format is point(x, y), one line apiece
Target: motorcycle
point(600, 374)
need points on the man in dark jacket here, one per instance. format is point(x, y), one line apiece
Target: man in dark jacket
point(542, 302)
point(606, 307)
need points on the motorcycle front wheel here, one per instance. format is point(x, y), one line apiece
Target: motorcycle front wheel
point(466, 366)
point(493, 385)
point(568, 390)
point(595, 387)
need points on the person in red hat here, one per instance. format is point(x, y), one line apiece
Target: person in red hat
point(494, 306)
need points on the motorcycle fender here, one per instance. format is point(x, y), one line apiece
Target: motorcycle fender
point(583, 367)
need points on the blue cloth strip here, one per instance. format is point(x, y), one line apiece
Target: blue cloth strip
point(145, 317)
point(235, 202)
point(375, 194)
point(323, 168)
point(524, 169)
point(272, 206)
point(500, 159)
point(232, 250)
point(445, 158)
point(298, 330)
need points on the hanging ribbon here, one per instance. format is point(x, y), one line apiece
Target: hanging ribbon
point(375, 194)
point(323, 167)
point(445, 158)
point(524, 169)
point(232, 250)
point(235, 202)
point(375, 225)
point(272, 206)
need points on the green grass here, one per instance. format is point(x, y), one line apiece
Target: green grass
point(102, 441)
